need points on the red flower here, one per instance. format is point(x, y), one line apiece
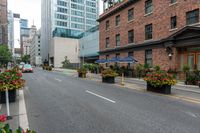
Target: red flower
point(3, 118)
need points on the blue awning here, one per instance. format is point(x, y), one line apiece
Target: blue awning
point(101, 61)
point(114, 59)
point(128, 60)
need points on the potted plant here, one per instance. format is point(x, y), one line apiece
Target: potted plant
point(5, 128)
point(10, 80)
point(82, 72)
point(186, 70)
point(159, 81)
point(108, 76)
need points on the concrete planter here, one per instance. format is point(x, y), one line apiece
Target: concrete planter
point(82, 75)
point(110, 80)
point(11, 95)
point(165, 89)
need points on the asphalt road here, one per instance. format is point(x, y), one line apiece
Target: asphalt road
point(57, 103)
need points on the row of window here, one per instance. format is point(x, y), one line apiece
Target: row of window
point(61, 16)
point(92, 4)
point(148, 35)
point(78, 26)
point(78, 1)
point(62, 10)
point(191, 16)
point(79, 7)
point(61, 23)
point(61, 3)
point(148, 57)
point(92, 10)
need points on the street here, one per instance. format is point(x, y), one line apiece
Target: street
point(57, 103)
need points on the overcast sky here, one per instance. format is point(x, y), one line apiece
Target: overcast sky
point(28, 9)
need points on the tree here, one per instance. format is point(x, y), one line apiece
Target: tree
point(26, 58)
point(66, 63)
point(5, 54)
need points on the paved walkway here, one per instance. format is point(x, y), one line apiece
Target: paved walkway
point(179, 85)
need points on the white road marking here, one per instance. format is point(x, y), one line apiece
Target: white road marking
point(191, 114)
point(100, 96)
point(0, 106)
point(23, 119)
point(58, 80)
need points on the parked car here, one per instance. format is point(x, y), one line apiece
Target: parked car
point(20, 66)
point(27, 68)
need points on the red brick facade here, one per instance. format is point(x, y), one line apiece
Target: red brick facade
point(160, 18)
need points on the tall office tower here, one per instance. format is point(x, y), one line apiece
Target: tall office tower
point(3, 22)
point(11, 32)
point(66, 19)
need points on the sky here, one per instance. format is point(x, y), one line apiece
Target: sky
point(29, 9)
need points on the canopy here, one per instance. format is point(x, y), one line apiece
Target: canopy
point(114, 59)
point(117, 59)
point(101, 61)
point(128, 59)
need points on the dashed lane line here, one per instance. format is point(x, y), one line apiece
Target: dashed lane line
point(100, 96)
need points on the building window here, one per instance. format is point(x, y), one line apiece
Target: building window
point(130, 36)
point(107, 42)
point(38, 53)
point(148, 6)
point(192, 17)
point(117, 40)
point(38, 45)
point(173, 22)
point(148, 57)
point(107, 25)
point(117, 20)
point(148, 31)
point(38, 49)
point(130, 14)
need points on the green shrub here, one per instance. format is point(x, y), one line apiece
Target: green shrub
point(109, 73)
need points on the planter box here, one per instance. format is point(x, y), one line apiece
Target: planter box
point(165, 89)
point(108, 80)
point(11, 95)
point(81, 75)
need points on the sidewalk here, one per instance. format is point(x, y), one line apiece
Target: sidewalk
point(179, 91)
point(16, 112)
point(179, 86)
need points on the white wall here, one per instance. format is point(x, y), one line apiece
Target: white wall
point(62, 47)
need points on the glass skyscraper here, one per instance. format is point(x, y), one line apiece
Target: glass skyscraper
point(67, 18)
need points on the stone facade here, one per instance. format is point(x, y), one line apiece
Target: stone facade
point(160, 18)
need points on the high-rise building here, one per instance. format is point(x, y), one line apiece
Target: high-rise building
point(24, 36)
point(66, 19)
point(16, 22)
point(11, 32)
point(3, 22)
point(35, 49)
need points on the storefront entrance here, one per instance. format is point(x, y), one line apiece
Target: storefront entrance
point(190, 57)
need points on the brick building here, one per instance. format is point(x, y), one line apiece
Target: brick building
point(156, 32)
point(3, 22)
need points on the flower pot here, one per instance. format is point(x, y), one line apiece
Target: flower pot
point(108, 80)
point(164, 89)
point(82, 75)
point(11, 95)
